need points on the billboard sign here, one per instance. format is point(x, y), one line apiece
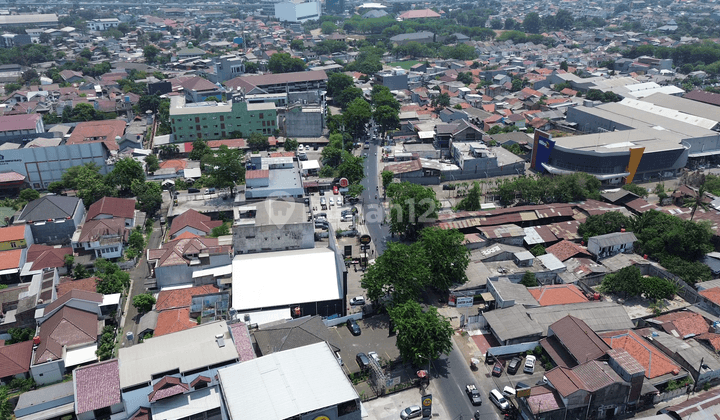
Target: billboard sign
point(542, 147)
point(427, 405)
point(464, 302)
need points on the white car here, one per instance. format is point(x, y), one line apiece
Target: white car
point(340, 200)
point(357, 300)
point(529, 364)
point(300, 148)
point(374, 356)
point(332, 202)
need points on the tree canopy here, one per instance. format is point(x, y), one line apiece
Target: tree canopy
point(224, 168)
point(356, 116)
point(422, 336)
point(449, 258)
point(602, 224)
point(126, 171)
point(284, 63)
point(398, 273)
point(411, 205)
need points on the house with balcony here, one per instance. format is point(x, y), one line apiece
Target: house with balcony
point(113, 207)
point(104, 238)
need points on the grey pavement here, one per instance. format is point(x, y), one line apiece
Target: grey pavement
point(138, 276)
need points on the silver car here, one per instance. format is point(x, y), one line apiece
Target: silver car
point(411, 412)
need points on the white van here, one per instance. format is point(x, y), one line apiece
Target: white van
point(497, 398)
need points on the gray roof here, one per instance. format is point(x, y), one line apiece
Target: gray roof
point(148, 322)
point(689, 350)
point(612, 239)
point(285, 335)
point(600, 316)
point(412, 36)
point(45, 394)
point(711, 284)
point(375, 14)
point(614, 196)
point(513, 291)
point(50, 207)
point(512, 323)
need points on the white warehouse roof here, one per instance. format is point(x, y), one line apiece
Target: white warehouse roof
point(272, 279)
point(286, 384)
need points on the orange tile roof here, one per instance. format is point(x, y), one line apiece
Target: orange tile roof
point(10, 259)
point(98, 131)
point(712, 294)
point(565, 250)
point(642, 351)
point(683, 323)
point(12, 233)
point(89, 285)
point(173, 320)
point(559, 294)
point(176, 164)
point(181, 298)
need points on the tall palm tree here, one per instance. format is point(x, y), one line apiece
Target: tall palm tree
point(697, 201)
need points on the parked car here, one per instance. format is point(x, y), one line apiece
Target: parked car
point(529, 364)
point(357, 300)
point(346, 212)
point(348, 233)
point(353, 327)
point(509, 391)
point(474, 395)
point(514, 365)
point(362, 360)
point(497, 398)
point(339, 200)
point(332, 201)
point(336, 190)
point(497, 369)
point(411, 412)
point(193, 190)
point(448, 186)
point(321, 215)
point(374, 356)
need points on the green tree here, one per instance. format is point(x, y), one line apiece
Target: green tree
point(422, 336)
point(401, 272)
point(28, 194)
point(199, 150)
point(442, 100)
point(143, 302)
point(517, 85)
point(18, 335)
point(538, 250)
point(602, 224)
point(349, 94)
point(529, 280)
point(465, 77)
point(387, 178)
point(88, 182)
point(532, 23)
point(626, 281)
point(86, 53)
point(224, 168)
point(125, 173)
point(698, 201)
point(149, 196)
point(564, 65)
point(410, 206)
point(221, 230)
point(509, 24)
point(251, 67)
point(257, 141)
point(496, 23)
point(387, 117)
point(450, 257)
point(69, 262)
point(356, 116)
point(45, 38)
point(150, 53)
point(148, 103)
point(636, 189)
point(354, 190)
point(338, 82)
point(471, 202)
point(151, 163)
point(381, 96)
point(80, 272)
point(106, 346)
point(112, 278)
point(6, 411)
point(291, 145)
point(328, 28)
point(351, 167)
point(284, 63)
point(296, 45)
point(136, 240)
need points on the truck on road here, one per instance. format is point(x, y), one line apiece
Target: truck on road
point(473, 394)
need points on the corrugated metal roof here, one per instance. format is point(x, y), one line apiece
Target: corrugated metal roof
point(612, 239)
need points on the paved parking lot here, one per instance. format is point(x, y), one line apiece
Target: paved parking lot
point(511, 380)
point(374, 337)
point(390, 406)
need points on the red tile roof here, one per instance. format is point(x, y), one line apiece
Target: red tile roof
point(11, 176)
point(167, 387)
point(418, 14)
point(174, 252)
point(176, 164)
point(10, 259)
point(43, 256)
point(653, 360)
point(94, 230)
point(193, 219)
point(181, 298)
point(173, 320)
point(15, 358)
point(257, 174)
point(559, 294)
point(681, 324)
point(113, 206)
point(94, 131)
point(19, 122)
point(87, 285)
point(564, 250)
point(97, 386)
point(67, 327)
point(243, 342)
point(712, 339)
point(12, 233)
point(712, 294)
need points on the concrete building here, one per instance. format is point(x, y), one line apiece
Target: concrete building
point(103, 24)
point(53, 218)
point(602, 246)
point(304, 121)
point(217, 120)
point(476, 160)
point(302, 81)
point(305, 281)
point(395, 79)
point(272, 225)
point(284, 385)
point(12, 126)
point(297, 11)
point(335, 7)
point(226, 67)
point(273, 177)
point(39, 20)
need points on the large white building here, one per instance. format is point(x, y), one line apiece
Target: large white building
point(297, 11)
point(103, 24)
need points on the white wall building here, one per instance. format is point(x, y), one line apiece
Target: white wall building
point(297, 11)
point(103, 24)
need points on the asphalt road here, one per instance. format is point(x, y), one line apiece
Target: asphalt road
point(373, 210)
point(450, 374)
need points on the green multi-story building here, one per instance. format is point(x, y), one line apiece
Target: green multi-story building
point(218, 120)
